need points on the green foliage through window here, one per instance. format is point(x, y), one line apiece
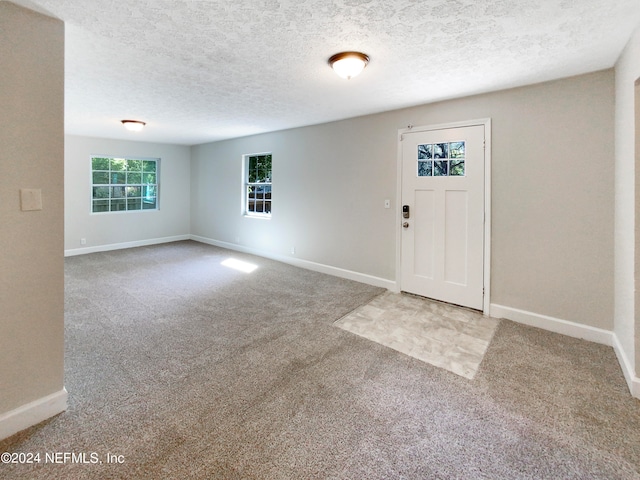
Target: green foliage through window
point(441, 159)
point(123, 184)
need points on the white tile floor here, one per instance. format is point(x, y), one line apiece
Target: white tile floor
point(446, 336)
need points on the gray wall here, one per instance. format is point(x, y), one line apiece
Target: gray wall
point(553, 193)
point(627, 231)
point(172, 219)
point(329, 181)
point(31, 242)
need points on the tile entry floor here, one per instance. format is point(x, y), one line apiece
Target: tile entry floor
point(446, 336)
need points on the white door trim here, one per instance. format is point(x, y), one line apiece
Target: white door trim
point(486, 122)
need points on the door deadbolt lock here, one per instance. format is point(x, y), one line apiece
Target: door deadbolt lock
point(405, 211)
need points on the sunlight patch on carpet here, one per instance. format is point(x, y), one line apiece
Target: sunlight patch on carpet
point(239, 265)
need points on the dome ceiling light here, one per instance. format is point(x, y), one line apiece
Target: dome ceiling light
point(133, 125)
point(348, 64)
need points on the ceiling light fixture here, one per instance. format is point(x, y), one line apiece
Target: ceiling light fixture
point(348, 64)
point(133, 125)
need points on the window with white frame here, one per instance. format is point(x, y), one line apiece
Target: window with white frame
point(124, 184)
point(257, 184)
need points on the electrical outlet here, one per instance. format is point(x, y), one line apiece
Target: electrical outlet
point(83, 241)
point(293, 250)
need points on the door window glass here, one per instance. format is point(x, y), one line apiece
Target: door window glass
point(441, 159)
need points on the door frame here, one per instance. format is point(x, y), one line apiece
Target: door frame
point(486, 122)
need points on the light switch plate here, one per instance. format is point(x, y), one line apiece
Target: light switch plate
point(30, 199)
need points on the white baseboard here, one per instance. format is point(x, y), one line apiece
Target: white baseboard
point(297, 262)
point(576, 330)
point(119, 246)
point(32, 413)
point(557, 325)
point(633, 382)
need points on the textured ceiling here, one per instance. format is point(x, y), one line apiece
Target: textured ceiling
point(204, 70)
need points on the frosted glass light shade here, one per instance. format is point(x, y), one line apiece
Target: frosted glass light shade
point(348, 64)
point(133, 125)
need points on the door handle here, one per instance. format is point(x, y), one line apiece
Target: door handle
point(405, 224)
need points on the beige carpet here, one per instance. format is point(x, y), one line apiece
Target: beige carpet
point(188, 369)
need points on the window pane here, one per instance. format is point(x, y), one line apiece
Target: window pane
point(119, 177)
point(117, 192)
point(456, 150)
point(118, 205)
point(425, 151)
point(149, 191)
point(267, 206)
point(100, 206)
point(259, 168)
point(134, 191)
point(98, 163)
point(118, 165)
point(100, 192)
point(425, 169)
point(134, 204)
point(100, 177)
point(148, 178)
point(149, 166)
point(134, 165)
point(456, 168)
point(441, 150)
point(254, 170)
point(149, 203)
point(134, 178)
point(265, 168)
point(440, 168)
point(249, 199)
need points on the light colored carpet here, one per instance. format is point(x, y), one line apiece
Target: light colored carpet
point(446, 336)
point(189, 369)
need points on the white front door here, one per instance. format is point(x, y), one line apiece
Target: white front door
point(442, 252)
